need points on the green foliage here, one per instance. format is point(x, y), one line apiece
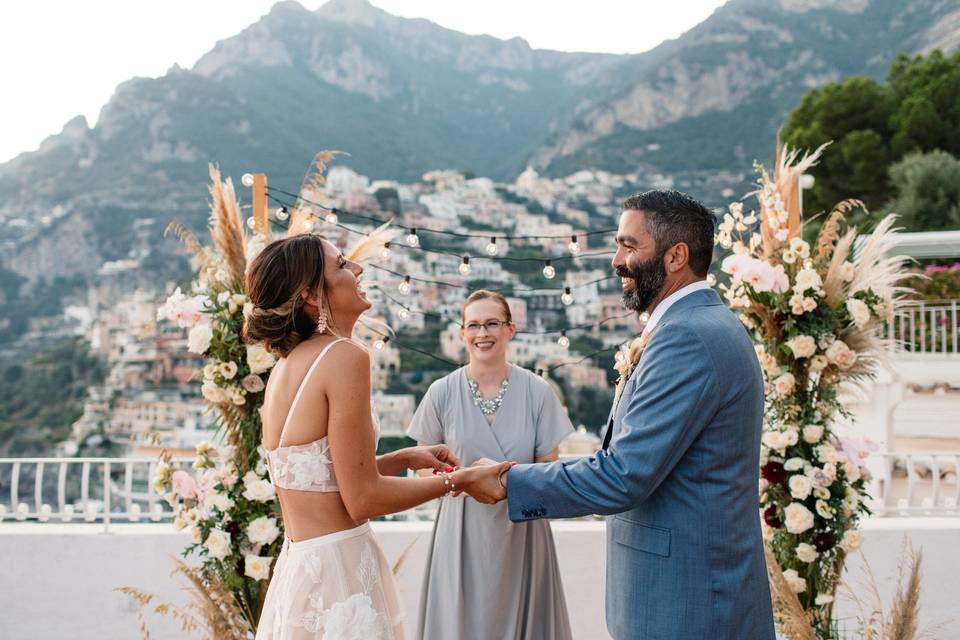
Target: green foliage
point(928, 191)
point(874, 125)
point(58, 375)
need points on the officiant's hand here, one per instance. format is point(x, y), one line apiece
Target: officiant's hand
point(437, 456)
point(481, 481)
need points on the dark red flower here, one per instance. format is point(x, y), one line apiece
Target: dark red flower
point(771, 517)
point(773, 472)
point(823, 541)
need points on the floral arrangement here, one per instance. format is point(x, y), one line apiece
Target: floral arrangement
point(814, 311)
point(228, 503)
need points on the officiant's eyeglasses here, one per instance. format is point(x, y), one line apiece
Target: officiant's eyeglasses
point(492, 326)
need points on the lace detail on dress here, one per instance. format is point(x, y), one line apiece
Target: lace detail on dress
point(306, 467)
point(352, 619)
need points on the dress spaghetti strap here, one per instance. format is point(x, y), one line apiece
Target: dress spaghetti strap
point(303, 385)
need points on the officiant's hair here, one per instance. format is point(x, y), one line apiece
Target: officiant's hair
point(486, 294)
point(274, 283)
point(673, 217)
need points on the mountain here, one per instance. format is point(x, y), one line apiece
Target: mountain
point(405, 96)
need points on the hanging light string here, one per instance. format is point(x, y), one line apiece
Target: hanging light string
point(485, 236)
point(440, 316)
point(411, 245)
point(454, 285)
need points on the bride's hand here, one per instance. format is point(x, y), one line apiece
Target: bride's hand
point(481, 481)
point(437, 456)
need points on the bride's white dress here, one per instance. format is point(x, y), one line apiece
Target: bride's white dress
point(333, 587)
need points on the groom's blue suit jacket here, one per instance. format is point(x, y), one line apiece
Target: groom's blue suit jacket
point(684, 551)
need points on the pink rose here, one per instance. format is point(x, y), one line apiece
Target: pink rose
point(184, 485)
point(206, 481)
point(253, 383)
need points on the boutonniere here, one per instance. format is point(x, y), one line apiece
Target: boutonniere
point(628, 362)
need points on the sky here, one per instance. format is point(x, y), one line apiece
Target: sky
point(63, 58)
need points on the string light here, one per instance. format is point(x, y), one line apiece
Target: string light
point(252, 222)
point(574, 245)
point(282, 213)
point(381, 343)
point(405, 285)
point(725, 243)
point(567, 297)
point(548, 271)
point(385, 252)
point(644, 317)
point(412, 239)
point(711, 279)
point(332, 217)
point(563, 341)
point(309, 226)
point(403, 314)
point(808, 264)
point(465, 266)
point(246, 179)
point(492, 248)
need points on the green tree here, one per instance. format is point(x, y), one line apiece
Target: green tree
point(874, 125)
point(927, 189)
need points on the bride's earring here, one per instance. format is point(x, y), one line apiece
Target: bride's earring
point(322, 319)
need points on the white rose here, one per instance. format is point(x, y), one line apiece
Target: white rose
point(824, 510)
point(818, 363)
point(228, 369)
point(256, 567)
point(198, 340)
point(823, 598)
point(800, 487)
point(859, 311)
point(775, 440)
point(259, 359)
point(826, 453)
point(218, 544)
point(260, 491)
point(213, 392)
point(797, 584)
point(807, 279)
point(794, 464)
point(218, 499)
point(784, 384)
point(852, 540)
point(802, 346)
point(812, 433)
point(797, 518)
point(851, 470)
point(806, 552)
point(841, 355)
point(263, 530)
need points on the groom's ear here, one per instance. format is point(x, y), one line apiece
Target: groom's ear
point(677, 257)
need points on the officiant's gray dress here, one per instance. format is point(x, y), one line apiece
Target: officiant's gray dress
point(486, 577)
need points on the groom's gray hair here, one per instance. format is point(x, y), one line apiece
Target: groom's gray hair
point(673, 217)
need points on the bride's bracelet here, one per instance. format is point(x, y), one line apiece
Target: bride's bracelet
point(448, 483)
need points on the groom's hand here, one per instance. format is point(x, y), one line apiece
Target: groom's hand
point(482, 481)
point(437, 456)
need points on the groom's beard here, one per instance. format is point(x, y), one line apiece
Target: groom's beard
point(648, 278)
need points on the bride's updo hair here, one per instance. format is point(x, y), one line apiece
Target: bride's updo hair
point(276, 278)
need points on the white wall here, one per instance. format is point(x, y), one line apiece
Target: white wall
point(56, 580)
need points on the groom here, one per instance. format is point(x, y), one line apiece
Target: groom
point(679, 467)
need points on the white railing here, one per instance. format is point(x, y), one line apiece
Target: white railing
point(927, 328)
point(918, 484)
point(92, 490)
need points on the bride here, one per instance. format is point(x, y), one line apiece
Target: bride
point(331, 580)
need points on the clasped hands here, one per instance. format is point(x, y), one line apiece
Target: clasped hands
point(484, 481)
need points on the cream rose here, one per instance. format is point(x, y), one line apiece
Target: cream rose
point(198, 340)
point(852, 540)
point(259, 359)
point(218, 544)
point(806, 552)
point(797, 518)
point(797, 584)
point(263, 530)
point(794, 464)
point(259, 491)
point(841, 355)
point(859, 311)
point(800, 487)
point(256, 567)
point(812, 433)
point(807, 279)
point(802, 346)
point(784, 384)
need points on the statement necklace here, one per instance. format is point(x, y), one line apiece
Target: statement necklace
point(487, 406)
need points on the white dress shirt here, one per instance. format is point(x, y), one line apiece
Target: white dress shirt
point(669, 301)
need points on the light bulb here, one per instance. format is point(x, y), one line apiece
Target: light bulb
point(412, 238)
point(252, 222)
point(563, 341)
point(282, 213)
point(465, 266)
point(548, 271)
point(405, 285)
point(644, 317)
point(246, 179)
point(618, 356)
point(381, 343)
point(403, 314)
point(492, 248)
point(309, 225)
point(725, 243)
point(711, 279)
point(567, 297)
point(808, 264)
point(385, 252)
point(332, 218)
point(574, 246)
